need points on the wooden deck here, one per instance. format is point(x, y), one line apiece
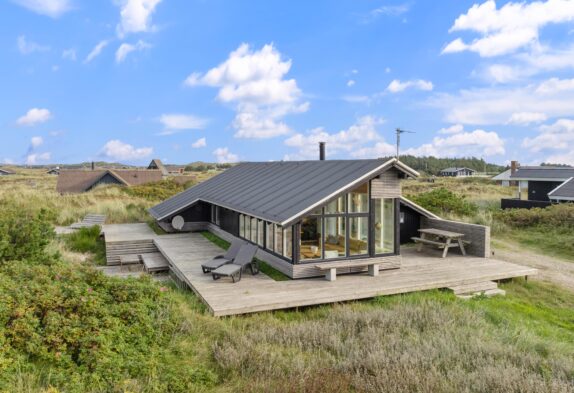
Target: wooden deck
point(419, 271)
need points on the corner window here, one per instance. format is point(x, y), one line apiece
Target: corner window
point(311, 241)
point(384, 226)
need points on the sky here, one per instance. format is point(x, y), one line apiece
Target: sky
point(260, 80)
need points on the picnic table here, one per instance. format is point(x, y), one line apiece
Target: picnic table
point(441, 239)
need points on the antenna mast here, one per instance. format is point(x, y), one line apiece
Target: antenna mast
point(399, 132)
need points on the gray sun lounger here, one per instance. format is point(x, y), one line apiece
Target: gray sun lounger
point(243, 259)
point(224, 259)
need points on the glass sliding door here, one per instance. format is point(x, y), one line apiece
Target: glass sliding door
point(384, 226)
point(335, 237)
point(311, 239)
point(358, 236)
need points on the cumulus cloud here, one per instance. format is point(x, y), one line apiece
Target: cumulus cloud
point(201, 142)
point(454, 129)
point(526, 118)
point(36, 141)
point(34, 116)
point(254, 81)
point(475, 143)
point(136, 16)
point(396, 86)
point(51, 8)
point(96, 51)
point(223, 155)
point(350, 140)
point(69, 54)
point(351, 82)
point(125, 49)
point(37, 158)
point(509, 28)
point(27, 47)
point(176, 122)
point(558, 137)
point(118, 150)
point(496, 105)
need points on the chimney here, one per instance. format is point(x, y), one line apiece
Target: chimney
point(514, 165)
point(93, 166)
point(322, 151)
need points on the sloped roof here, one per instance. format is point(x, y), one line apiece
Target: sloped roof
point(503, 176)
point(550, 173)
point(565, 191)
point(6, 171)
point(418, 208)
point(73, 181)
point(157, 164)
point(457, 169)
point(279, 192)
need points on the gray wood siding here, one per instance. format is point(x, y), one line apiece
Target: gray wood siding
point(387, 185)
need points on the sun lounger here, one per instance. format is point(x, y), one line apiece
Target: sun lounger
point(243, 259)
point(224, 259)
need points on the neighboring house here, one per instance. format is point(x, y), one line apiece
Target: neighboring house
point(504, 178)
point(77, 181)
point(53, 171)
point(564, 192)
point(538, 186)
point(457, 172)
point(304, 213)
point(6, 172)
point(158, 165)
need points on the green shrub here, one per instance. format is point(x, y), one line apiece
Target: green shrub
point(88, 240)
point(442, 201)
point(158, 191)
point(553, 216)
point(24, 234)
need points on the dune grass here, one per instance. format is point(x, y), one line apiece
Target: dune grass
point(88, 240)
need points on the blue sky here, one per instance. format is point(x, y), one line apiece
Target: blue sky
point(214, 80)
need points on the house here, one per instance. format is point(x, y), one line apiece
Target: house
point(77, 181)
point(504, 178)
point(564, 192)
point(53, 171)
point(457, 172)
point(6, 172)
point(303, 214)
point(158, 165)
point(539, 186)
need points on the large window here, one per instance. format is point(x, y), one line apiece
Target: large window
point(288, 242)
point(242, 226)
point(384, 226)
point(311, 240)
point(247, 227)
point(260, 233)
point(336, 206)
point(358, 235)
point(253, 235)
point(359, 199)
point(335, 237)
point(269, 236)
point(278, 239)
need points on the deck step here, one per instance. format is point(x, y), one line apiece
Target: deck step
point(474, 287)
point(155, 263)
point(127, 250)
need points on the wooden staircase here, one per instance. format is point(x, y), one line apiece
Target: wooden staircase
point(468, 291)
point(128, 252)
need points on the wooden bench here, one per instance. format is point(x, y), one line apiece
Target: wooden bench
point(330, 268)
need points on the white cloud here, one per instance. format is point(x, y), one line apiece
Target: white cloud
point(136, 16)
point(27, 47)
point(526, 118)
point(454, 129)
point(561, 158)
point(223, 155)
point(557, 137)
point(176, 122)
point(201, 142)
point(34, 116)
point(509, 28)
point(350, 140)
point(51, 8)
point(126, 49)
point(36, 158)
point(96, 51)
point(496, 105)
point(36, 141)
point(118, 150)
point(351, 82)
point(384, 10)
point(477, 143)
point(255, 82)
point(396, 86)
point(357, 99)
point(69, 54)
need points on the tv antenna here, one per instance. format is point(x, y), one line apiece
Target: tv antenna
point(399, 132)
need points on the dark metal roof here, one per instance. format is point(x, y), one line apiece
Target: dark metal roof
point(279, 192)
point(542, 173)
point(563, 191)
point(450, 170)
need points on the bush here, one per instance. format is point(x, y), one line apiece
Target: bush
point(158, 191)
point(24, 234)
point(88, 240)
point(442, 201)
point(553, 216)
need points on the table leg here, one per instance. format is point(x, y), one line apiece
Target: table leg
point(446, 247)
point(461, 245)
point(420, 245)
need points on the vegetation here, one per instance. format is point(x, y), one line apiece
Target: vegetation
point(433, 165)
point(158, 191)
point(88, 240)
point(445, 202)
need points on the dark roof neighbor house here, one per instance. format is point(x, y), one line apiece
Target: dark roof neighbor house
point(302, 214)
point(457, 172)
point(564, 192)
point(77, 181)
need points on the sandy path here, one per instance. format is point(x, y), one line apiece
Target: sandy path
point(556, 270)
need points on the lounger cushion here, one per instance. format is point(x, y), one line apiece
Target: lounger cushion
point(215, 263)
point(227, 270)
